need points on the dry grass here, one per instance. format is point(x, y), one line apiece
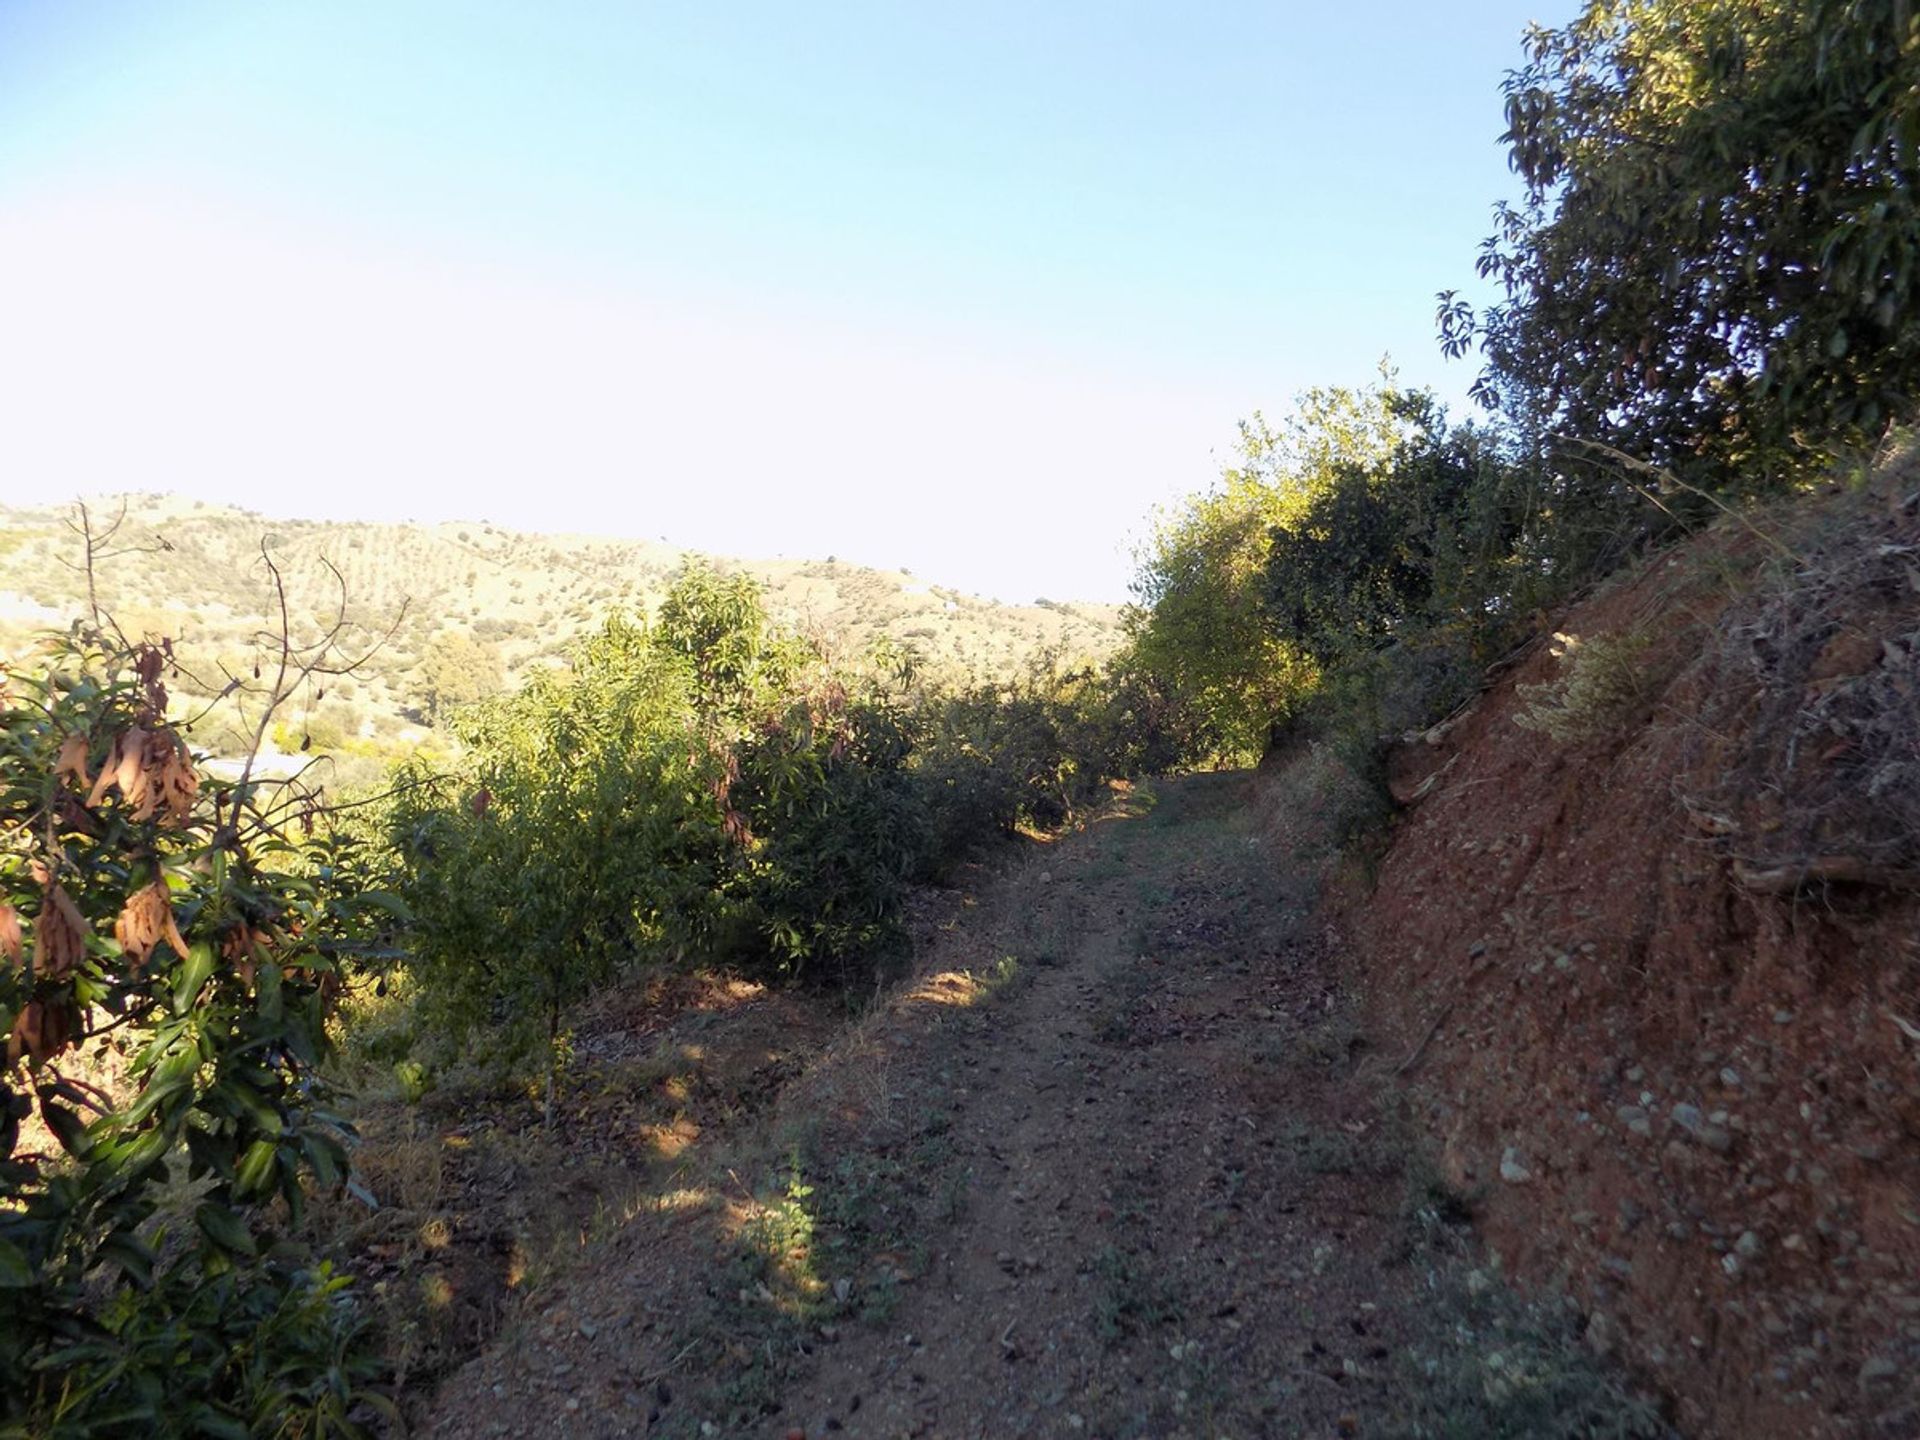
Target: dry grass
point(1821, 725)
point(1315, 803)
point(1603, 680)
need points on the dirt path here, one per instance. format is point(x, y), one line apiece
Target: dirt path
point(1174, 1219)
point(1119, 1165)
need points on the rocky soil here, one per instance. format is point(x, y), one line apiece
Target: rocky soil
point(1680, 1062)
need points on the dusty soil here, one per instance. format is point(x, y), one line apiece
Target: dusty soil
point(1119, 1161)
point(1708, 1090)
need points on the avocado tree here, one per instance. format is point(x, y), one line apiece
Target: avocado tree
point(580, 837)
point(1715, 263)
point(170, 944)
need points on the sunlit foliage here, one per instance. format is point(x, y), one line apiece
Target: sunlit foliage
point(1716, 262)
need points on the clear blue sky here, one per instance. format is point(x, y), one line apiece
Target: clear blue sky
point(968, 288)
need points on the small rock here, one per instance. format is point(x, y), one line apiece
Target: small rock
point(1730, 1078)
point(1783, 1017)
point(1602, 1335)
point(1748, 1245)
point(1635, 1118)
point(1876, 1370)
point(1715, 1137)
point(1513, 1169)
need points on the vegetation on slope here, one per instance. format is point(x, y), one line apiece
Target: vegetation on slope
point(1709, 289)
point(1710, 293)
point(461, 610)
point(173, 943)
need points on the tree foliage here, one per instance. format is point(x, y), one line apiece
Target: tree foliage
point(1716, 262)
point(562, 849)
point(1382, 546)
point(1204, 625)
point(178, 939)
point(457, 670)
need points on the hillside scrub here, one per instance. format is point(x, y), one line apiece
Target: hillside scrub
point(1651, 929)
point(710, 785)
point(473, 609)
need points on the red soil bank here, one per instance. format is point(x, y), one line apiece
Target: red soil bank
point(1693, 1102)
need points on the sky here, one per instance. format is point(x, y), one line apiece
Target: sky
point(966, 289)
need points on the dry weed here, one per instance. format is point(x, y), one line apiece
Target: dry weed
point(1823, 778)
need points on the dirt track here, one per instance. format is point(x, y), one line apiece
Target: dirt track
point(1118, 1163)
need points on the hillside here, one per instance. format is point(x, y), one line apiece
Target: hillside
point(1157, 1144)
point(1646, 930)
point(193, 570)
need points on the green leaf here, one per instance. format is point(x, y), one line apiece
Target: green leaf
point(255, 1170)
point(327, 1159)
point(126, 1158)
point(225, 1228)
point(267, 985)
point(193, 976)
point(134, 1259)
point(208, 1421)
point(15, 1271)
point(169, 1078)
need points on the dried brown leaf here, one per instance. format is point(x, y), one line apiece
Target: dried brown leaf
point(59, 935)
point(41, 1031)
point(146, 920)
point(72, 764)
point(10, 944)
point(153, 773)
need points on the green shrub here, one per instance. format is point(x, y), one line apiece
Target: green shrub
point(579, 838)
point(169, 947)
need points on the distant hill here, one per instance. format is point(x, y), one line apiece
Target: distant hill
point(194, 570)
